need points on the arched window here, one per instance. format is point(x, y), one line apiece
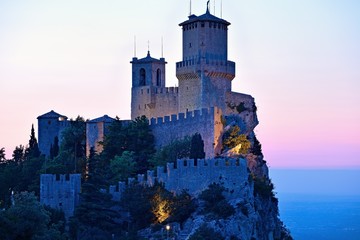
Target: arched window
point(142, 77)
point(158, 77)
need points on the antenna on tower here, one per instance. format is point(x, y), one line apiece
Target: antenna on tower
point(190, 9)
point(162, 47)
point(134, 45)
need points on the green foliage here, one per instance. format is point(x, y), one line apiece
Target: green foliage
point(197, 147)
point(233, 138)
point(32, 151)
point(95, 216)
point(183, 206)
point(152, 205)
point(72, 153)
point(19, 154)
point(175, 150)
point(27, 219)
point(263, 187)
point(206, 233)
point(136, 199)
point(122, 167)
point(135, 137)
point(215, 201)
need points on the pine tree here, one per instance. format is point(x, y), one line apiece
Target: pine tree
point(197, 147)
point(32, 151)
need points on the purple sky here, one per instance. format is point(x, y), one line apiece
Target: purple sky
point(300, 60)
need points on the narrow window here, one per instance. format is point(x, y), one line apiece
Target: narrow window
point(142, 77)
point(158, 77)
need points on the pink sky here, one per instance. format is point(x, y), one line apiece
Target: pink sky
point(300, 60)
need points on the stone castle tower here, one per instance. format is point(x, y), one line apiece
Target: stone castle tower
point(50, 125)
point(204, 74)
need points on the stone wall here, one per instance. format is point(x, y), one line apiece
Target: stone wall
point(231, 173)
point(207, 122)
point(60, 192)
point(154, 101)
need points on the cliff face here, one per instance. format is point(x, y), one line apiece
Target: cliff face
point(256, 214)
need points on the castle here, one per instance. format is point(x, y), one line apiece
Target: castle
point(202, 99)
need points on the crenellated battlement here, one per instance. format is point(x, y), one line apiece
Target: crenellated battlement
point(188, 116)
point(231, 173)
point(60, 191)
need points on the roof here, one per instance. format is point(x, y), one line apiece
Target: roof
point(104, 118)
point(51, 114)
point(147, 59)
point(205, 17)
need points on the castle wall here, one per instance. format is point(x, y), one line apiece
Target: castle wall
point(60, 192)
point(207, 122)
point(231, 173)
point(154, 101)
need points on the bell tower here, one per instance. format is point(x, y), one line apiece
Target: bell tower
point(204, 74)
point(148, 75)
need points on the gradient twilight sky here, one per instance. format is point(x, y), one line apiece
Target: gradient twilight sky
point(299, 59)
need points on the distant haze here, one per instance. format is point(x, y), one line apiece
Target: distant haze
point(299, 59)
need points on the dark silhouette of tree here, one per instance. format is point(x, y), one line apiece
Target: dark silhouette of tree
point(96, 214)
point(197, 147)
point(33, 149)
point(135, 137)
point(2, 155)
point(27, 219)
point(19, 154)
point(72, 153)
point(54, 149)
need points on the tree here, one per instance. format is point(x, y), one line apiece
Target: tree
point(135, 137)
point(177, 149)
point(2, 155)
point(72, 152)
point(96, 214)
point(27, 219)
point(122, 167)
point(54, 149)
point(197, 147)
point(33, 149)
point(182, 207)
point(233, 138)
point(215, 201)
point(18, 154)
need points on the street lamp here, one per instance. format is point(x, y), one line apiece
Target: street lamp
point(167, 231)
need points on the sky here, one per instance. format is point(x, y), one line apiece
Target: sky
point(300, 60)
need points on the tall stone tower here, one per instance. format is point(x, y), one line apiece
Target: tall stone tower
point(204, 74)
point(148, 74)
point(50, 125)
